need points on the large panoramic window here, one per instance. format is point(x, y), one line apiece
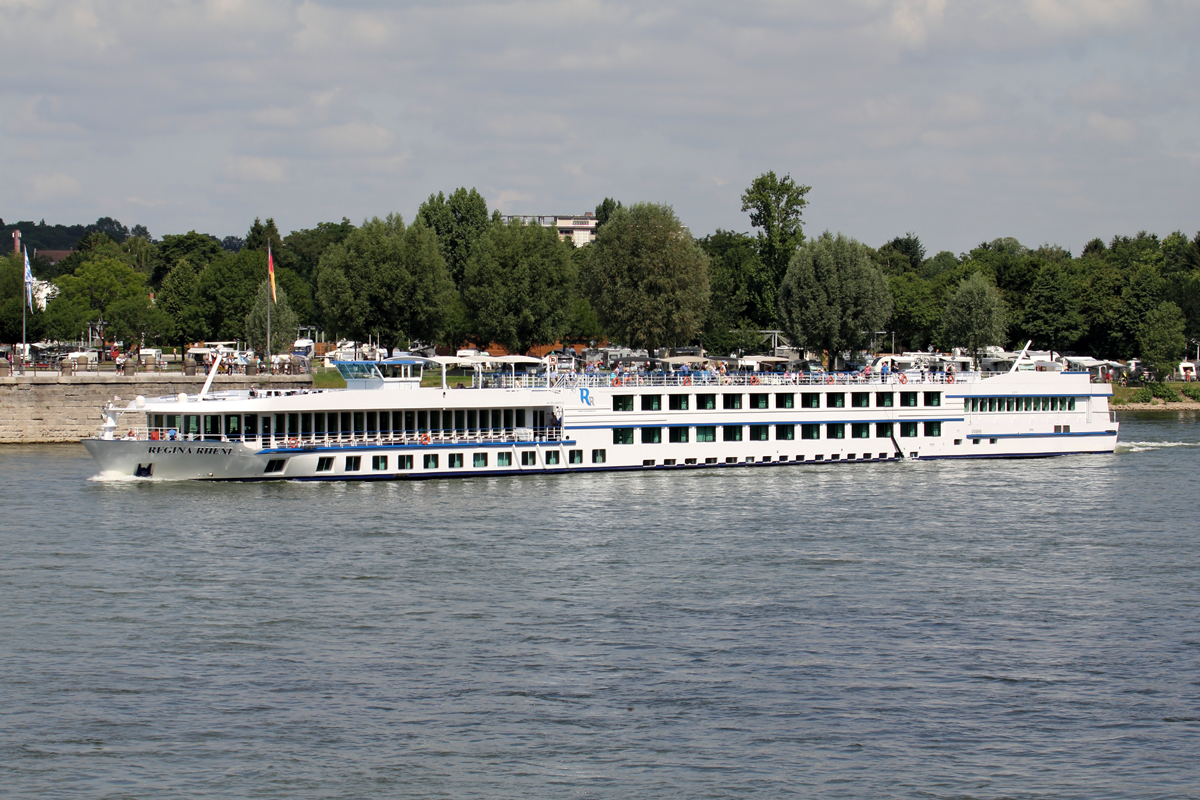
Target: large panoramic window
point(706, 433)
point(652, 402)
point(677, 402)
point(785, 400)
point(622, 402)
point(622, 435)
point(706, 402)
point(731, 401)
point(835, 400)
point(785, 432)
point(651, 435)
point(731, 433)
point(678, 435)
point(810, 400)
point(810, 431)
point(760, 433)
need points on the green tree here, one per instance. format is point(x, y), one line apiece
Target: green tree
point(302, 249)
point(742, 298)
point(910, 245)
point(179, 298)
point(916, 310)
point(975, 317)
point(12, 300)
point(775, 206)
point(459, 221)
point(227, 286)
point(517, 286)
point(833, 297)
point(386, 280)
point(283, 321)
point(261, 234)
point(648, 279)
point(107, 289)
point(1054, 318)
point(1161, 339)
point(201, 248)
point(605, 210)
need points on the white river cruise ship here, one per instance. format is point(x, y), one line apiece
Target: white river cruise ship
point(386, 426)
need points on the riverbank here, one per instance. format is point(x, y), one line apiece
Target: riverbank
point(56, 408)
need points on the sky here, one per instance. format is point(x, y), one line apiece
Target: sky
point(1052, 121)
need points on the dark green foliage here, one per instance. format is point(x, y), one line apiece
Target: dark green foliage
point(261, 234)
point(833, 297)
point(975, 317)
point(1191, 391)
point(12, 300)
point(459, 221)
point(283, 321)
point(909, 245)
point(605, 210)
point(200, 248)
point(1143, 395)
point(743, 293)
point(1053, 316)
point(302, 250)
point(1162, 391)
point(648, 279)
point(775, 206)
point(1160, 339)
point(517, 286)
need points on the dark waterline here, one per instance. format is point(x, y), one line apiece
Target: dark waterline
point(928, 630)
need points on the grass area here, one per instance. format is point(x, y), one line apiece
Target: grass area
point(1170, 392)
point(333, 380)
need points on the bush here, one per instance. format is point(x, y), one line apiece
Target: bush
point(1142, 395)
point(1192, 392)
point(1164, 392)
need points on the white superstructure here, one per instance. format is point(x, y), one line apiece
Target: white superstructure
point(387, 426)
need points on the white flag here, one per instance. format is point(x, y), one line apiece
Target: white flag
point(28, 281)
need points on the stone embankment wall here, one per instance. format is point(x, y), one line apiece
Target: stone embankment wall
point(50, 408)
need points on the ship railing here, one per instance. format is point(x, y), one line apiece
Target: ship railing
point(359, 439)
point(915, 377)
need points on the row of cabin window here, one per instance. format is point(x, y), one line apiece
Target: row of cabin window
point(334, 423)
point(381, 463)
point(762, 433)
point(732, 402)
point(989, 404)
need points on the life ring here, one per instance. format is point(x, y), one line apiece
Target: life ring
point(687, 380)
point(293, 442)
point(829, 379)
point(616, 382)
point(754, 380)
point(950, 377)
point(425, 438)
point(903, 378)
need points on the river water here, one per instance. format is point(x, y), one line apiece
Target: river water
point(928, 630)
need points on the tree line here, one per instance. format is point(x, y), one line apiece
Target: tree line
point(457, 273)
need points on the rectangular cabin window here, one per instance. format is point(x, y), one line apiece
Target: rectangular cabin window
point(233, 425)
point(908, 399)
point(250, 427)
point(731, 433)
point(430, 460)
point(508, 419)
point(460, 421)
point(731, 402)
point(908, 430)
point(884, 399)
point(435, 421)
point(574, 456)
point(810, 400)
point(677, 402)
point(280, 428)
point(453, 461)
point(353, 463)
point(1070, 403)
point(933, 399)
point(212, 427)
point(785, 400)
point(835, 430)
point(599, 456)
point(622, 435)
point(883, 430)
point(861, 430)
point(860, 400)
point(360, 423)
point(529, 458)
point(678, 435)
point(622, 402)
point(385, 423)
point(652, 402)
point(706, 433)
point(472, 420)
point(497, 421)
point(933, 428)
point(422, 421)
point(372, 423)
point(325, 464)
point(760, 433)
point(503, 459)
point(410, 421)
point(404, 461)
point(706, 402)
point(346, 428)
point(293, 424)
point(812, 431)
point(651, 435)
point(785, 432)
point(760, 401)
point(379, 463)
point(551, 457)
point(521, 418)
point(835, 399)
point(275, 465)
point(319, 425)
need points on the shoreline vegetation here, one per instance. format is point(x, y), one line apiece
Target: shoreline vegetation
point(457, 273)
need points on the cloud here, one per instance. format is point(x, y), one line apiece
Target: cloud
point(53, 187)
point(902, 114)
